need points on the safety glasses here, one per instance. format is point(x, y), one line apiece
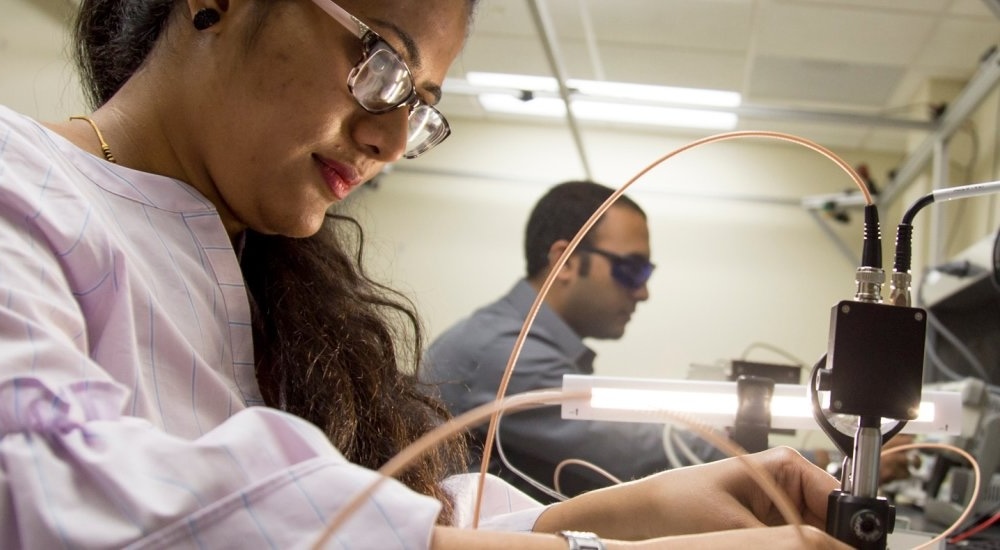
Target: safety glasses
point(632, 271)
point(381, 82)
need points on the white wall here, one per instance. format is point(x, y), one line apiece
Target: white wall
point(37, 77)
point(738, 260)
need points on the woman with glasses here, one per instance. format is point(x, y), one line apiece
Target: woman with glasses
point(190, 353)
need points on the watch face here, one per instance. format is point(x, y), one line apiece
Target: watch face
point(582, 540)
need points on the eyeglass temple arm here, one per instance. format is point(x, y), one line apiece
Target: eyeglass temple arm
point(349, 22)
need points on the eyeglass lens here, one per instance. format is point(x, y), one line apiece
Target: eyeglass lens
point(631, 273)
point(382, 82)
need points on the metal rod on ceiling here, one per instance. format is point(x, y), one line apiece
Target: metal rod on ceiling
point(547, 34)
point(994, 6)
point(957, 113)
point(590, 37)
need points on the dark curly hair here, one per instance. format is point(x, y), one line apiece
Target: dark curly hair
point(331, 345)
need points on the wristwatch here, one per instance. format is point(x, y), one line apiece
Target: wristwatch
point(582, 540)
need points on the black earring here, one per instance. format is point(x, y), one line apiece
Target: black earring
point(205, 18)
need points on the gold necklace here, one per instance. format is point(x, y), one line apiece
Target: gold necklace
point(104, 146)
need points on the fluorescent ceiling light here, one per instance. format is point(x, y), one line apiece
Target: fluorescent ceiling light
point(716, 403)
point(551, 107)
point(662, 94)
point(513, 81)
point(653, 115)
point(605, 111)
point(608, 90)
point(596, 100)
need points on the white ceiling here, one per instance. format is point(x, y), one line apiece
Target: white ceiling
point(860, 57)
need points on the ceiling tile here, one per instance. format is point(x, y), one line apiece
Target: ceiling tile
point(674, 67)
point(818, 82)
point(926, 6)
point(839, 33)
point(711, 25)
point(520, 55)
point(503, 18)
point(958, 44)
point(976, 8)
point(923, 6)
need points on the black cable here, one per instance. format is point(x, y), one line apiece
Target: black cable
point(917, 207)
point(904, 231)
point(904, 235)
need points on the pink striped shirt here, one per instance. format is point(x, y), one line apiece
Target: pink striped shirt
point(129, 409)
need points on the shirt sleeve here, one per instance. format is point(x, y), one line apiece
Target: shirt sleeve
point(77, 471)
point(74, 477)
point(504, 507)
point(537, 440)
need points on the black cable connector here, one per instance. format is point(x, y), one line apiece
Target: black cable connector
point(871, 252)
point(904, 248)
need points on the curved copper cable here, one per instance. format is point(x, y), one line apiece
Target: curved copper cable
point(543, 291)
point(502, 403)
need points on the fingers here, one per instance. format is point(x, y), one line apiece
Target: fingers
point(806, 486)
point(768, 538)
point(724, 495)
point(894, 467)
point(897, 465)
point(899, 439)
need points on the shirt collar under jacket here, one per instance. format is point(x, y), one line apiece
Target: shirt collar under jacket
point(522, 296)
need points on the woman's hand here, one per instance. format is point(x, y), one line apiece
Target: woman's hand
point(765, 538)
point(769, 538)
point(897, 465)
point(716, 496)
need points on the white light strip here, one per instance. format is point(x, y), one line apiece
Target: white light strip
point(647, 93)
point(614, 102)
point(659, 94)
point(540, 106)
point(652, 115)
point(715, 403)
point(610, 112)
point(513, 81)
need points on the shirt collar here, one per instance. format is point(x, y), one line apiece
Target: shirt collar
point(522, 296)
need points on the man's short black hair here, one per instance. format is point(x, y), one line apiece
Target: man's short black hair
point(560, 214)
